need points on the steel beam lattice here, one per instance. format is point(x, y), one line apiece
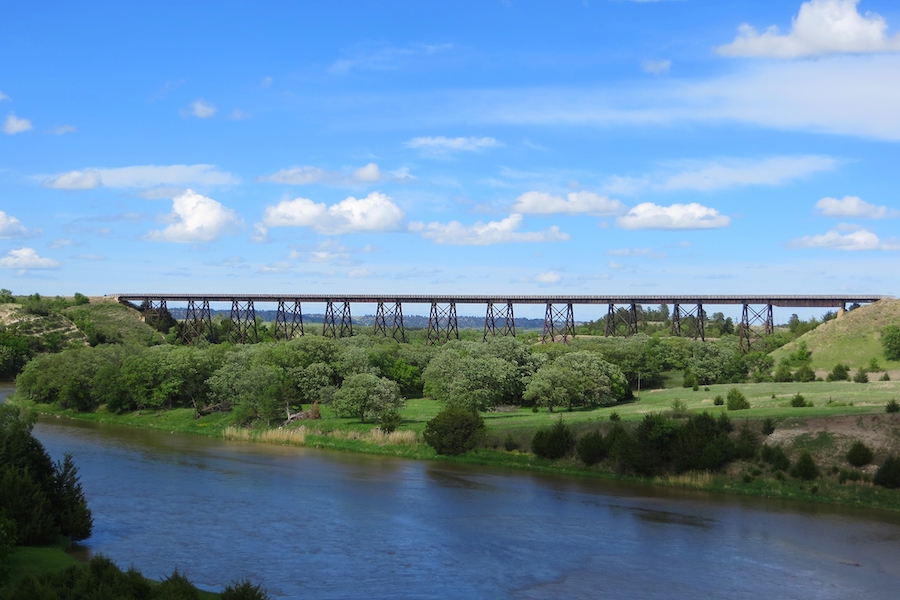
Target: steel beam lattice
point(389, 321)
point(628, 318)
point(288, 321)
point(755, 326)
point(559, 324)
point(197, 321)
point(442, 324)
point(502, 314)
point(154, 312)
point(334, 327)
point(243, 328)
point(690, 323)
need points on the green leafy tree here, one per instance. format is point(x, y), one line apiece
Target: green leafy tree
point(456, 376)
point(890, 342)
point(454, 430)
point(367, 396)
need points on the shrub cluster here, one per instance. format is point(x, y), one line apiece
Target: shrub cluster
point(553, 442)
point(454, 430)
point(798, 401)
point(775, 456)
point(805, 468)
point(888, 474)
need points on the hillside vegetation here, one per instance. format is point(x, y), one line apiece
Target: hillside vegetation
point(853, 339)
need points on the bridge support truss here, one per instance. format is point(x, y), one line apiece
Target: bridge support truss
point(288, 320)
point(629, 318)
point(690, 323)
point(197, 321)
point(442, 324)
point(389, 321)
point(336, 326)
point(243, 322)
point(756, 324)
point(559, 324)
point(499, 320)
point(154, 312)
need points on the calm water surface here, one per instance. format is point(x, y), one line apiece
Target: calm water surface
point(317, 524)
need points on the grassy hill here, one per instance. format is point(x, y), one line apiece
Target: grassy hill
point(853, 339)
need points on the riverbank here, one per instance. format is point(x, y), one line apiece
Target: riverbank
point(841, 413)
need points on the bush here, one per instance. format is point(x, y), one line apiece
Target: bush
point(591, 448)
point(846, 476)
point(888, 474)
point(736, 400)
point(775, 456)
point(244, 590)
point(614, 417)
point(555, 442)
point(454, 430)
point(718, 400)
point(840, 372)
point(885, 377)
point(799, 402)
point(890, 342)
point(805, 468)
point(768, 426)
point(859, 454)
point(861, 376)
point(804, 374)
point(892, 407)
point(747, 442)
point(783, 373)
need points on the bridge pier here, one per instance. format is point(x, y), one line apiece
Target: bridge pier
point(330, 325)
point(559, 324)
point(764, 322)
point(389, 321)
point(197, 321)
point(502, 313)
point(154, 312)
point(243, 322)
point(442, 324)
point(629, 319)
point(694, 319)
point(288, 321)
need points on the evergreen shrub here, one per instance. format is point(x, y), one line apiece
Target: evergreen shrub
point(735, 400)
point(805, 468)
point(591, 448)
point(888, 474)
point(554, 442)
point(859, 454)
point(454, 430)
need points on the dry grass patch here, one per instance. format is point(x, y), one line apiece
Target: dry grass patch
point(691, 479)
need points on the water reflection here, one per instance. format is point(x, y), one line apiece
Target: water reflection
point(310, 523)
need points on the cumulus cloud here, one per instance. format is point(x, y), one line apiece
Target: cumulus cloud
point(13, 125)
point(677, 216)
point(707, 176)
point(196, 218)
point(375, 212)
point(657, 67)
point(860, 239)
point(485, 234)
point(26, 258)
point(200, 109)
point(11, 227)
point(548, 277)
point(370, 173)
point(145, 176)
point(542, 203)
point(442, 145)
point(821, 27)
point(853, 206)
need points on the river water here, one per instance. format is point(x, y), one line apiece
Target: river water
point(316, 524)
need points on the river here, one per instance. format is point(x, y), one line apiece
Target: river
point(317, 524)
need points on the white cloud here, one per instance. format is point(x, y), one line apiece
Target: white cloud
point(61, 243)
point(356, 273)
point(677, 216)
point(26, 258)
point(633, 252)
point(141, 177)
point(11, 227)
point(260, 234)
point(4, 97)
point(821, 27)
point(853, 206)
point(484, 234)
point(383, 57)
point(75, 180)
point(715, 175)
point(196, 218)
point(375, 212)
point(441, 144)
point(63, 129)
point(239, 115)
point(200, 109)
point(861, 239)
point(14, 125)
point(370, 173)
point(266, 82)
point(657, 67)
point(548, 277)
point(542, 203)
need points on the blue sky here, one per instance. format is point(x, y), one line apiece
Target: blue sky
point(599, 147)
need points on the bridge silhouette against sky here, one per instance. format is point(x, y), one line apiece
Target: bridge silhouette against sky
point(688, 314)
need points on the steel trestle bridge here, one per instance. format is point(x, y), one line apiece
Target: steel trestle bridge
point(688, 316)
